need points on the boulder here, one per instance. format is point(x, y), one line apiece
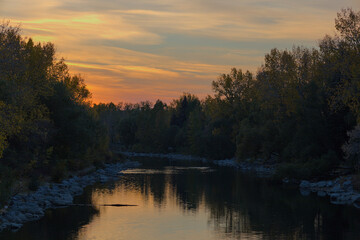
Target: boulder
point(75, 189)
point(13, 226)
point(321, 184)
point(305, 191)
point(347, 183)
point(15, 217)
point(337, 188)
point(304, 184)
point(31, 207)
point(329, 184)
point(321, 193)
point(356, 199)
point(62, 199)
point(28, 207)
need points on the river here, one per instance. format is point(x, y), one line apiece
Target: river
point(193, 200)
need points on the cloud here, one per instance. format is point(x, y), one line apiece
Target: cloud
point(138, 50)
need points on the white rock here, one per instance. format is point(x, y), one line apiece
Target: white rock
point(336, 188)
point(304, 191)
point(304, 184)
point(321, 193)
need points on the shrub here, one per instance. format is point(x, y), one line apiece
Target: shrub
point(351, 148)
point(6, 182)
point(317, 167)
point(59, 171)
point(34, 183)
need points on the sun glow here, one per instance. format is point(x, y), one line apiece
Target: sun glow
point(175, 46)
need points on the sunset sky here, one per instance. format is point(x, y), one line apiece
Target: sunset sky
point(139, 50)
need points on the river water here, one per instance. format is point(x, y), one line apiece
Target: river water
point(191, 200)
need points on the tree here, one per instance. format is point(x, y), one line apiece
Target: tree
point(45, 113)
point(341, 61)
point(347, 24)
point(352, 148)
point(234, 86)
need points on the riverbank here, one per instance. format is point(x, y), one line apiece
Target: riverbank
point(339, 190)
point(257, 167)
point(27, 207)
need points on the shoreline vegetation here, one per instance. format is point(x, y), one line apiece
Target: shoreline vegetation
point(300, 111)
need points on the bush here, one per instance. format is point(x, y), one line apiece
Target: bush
point(313, 168)
point(6, 182)
point(34, 183)
point(351, 148)
point(59, 171)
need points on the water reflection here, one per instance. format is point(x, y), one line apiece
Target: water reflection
point(58, 224)
point(194, 201)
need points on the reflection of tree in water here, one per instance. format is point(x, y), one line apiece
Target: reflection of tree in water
point(188, 189)
point(70, 220)
point(240, 204)
point(149, 185)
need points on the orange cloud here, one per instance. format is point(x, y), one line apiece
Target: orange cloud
point(132, 51)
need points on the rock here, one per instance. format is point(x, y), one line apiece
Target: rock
point(329, 184)
point(336, 188)
point(62, 200)
point(349, 188)
point(13, 226)
point(227, 163)
point(28, 207)
point(32, 217)
point(321, 184)
point(305, 191)
point(15, 217)
point(356, 199)
point(321, 193)
point(334, 196)
point(75, 189)
point(347, 185)
point(304, 184)
point(104, 179)
point(32, 208)
point(3, 226)
point(285, 180)
point(44, 203)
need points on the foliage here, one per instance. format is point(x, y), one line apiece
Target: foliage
point(352, 148)
point(298, 107)
point(45, 113)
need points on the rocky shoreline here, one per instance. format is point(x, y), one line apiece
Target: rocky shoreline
point(339, 190)
point(24, 207)
point(172, 156)
point(31, 206)
point(253, 166)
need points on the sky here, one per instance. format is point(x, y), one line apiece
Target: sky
point(132, 51)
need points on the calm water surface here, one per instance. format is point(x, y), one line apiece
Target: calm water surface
point(177, 200)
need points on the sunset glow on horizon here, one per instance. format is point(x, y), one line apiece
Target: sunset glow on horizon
point(149, 50)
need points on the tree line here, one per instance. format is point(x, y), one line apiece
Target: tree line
point(301, 110)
